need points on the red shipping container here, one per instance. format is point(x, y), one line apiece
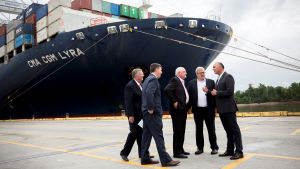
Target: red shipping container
point(31, 19)
point(81, 4)
point(2, 30)
point(160, 16)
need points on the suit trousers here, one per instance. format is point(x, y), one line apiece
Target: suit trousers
point(152, 126)
point(204, 114)
point(233, 132)
point(179, 125)
point(135, 134)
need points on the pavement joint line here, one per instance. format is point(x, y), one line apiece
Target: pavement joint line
point(238, 162)
point(102, 148)
point(246, 128)
point(275, 156)
point(82, 154)
point(296, 132)
point(239, 114)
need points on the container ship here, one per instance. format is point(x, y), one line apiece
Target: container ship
point(73, 58)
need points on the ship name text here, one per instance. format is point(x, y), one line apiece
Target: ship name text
point(54, 57)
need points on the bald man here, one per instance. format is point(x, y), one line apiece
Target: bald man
point(178, 97)
point(226, 107)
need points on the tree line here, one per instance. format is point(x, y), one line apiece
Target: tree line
point(262, 94)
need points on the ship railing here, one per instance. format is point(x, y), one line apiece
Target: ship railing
point(214, 17)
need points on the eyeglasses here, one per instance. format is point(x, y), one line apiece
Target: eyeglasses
point(200, 72)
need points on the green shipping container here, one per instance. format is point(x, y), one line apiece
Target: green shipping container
point(141, 14)
point(133, 12)
point(153, 15)
point(124, 10)
point(106, 7)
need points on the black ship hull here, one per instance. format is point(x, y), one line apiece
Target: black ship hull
point(85, 76)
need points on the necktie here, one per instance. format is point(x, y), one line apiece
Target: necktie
point(217, 80)
point(186, 92)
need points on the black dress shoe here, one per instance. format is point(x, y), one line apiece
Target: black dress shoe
point(226, 153)
point(180, 156)
point(186, 153)
point(237, 156)
point(199, 152)
point(170, 164)
point(149, 162)
point(214, 151)
point(124, 158)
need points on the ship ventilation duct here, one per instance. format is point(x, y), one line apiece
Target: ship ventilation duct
point(160, 24)
point(124, 28)
point(112, 30)
point(193, 23)
point(80, 35)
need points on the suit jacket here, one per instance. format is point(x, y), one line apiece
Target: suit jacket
point(225, 94)
point(193, 92)
point(151, 96)
point(175, 93)
point(133, 99)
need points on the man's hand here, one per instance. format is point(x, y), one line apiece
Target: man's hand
point(214, 92)
point(150, 111)
point(205, 89)
point(131, 119)
point(175, 105)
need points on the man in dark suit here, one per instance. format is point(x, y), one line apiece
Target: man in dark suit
point(133, 103)
point(178, 97)
point(226, 107)
point(152, 119)
point(203, 108)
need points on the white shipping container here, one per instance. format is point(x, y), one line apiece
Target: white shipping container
point(10, 46)
point(10, 36)
point(69, 15)
point(2, 51)
point(63, 20)
point(52, 4)
point(42, 23)
point(97, 5)
point(42, 35)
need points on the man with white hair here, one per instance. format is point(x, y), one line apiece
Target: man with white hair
point(178, 97)
point(203, 108)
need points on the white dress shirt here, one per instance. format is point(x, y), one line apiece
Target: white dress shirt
point(138, 84)
point(186, 92)
point(219, 78)
point(202, 101)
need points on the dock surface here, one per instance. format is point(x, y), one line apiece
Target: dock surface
point(269, 143)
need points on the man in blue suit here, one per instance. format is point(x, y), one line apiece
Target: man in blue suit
point(152, 119)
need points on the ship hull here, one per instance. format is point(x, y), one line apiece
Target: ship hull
point(86, 77)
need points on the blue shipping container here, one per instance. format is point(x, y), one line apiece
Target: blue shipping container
point(26, 39)
point(41, 12)
point(2, 40)
point(115, 9)
point(25, 28)
point(32, 9)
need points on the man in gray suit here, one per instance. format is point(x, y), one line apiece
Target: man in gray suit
point(152, 119)
point(226, 107)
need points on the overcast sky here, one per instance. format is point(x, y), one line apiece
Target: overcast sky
point(272, 23)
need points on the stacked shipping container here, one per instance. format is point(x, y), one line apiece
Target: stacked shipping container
point(2, 41)
point(39, 22)
point(42, 24)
